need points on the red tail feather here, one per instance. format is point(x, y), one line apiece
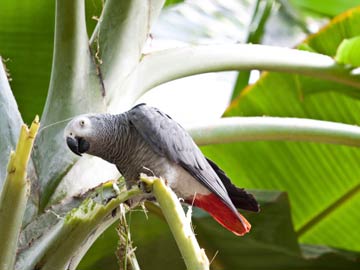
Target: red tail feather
point(222, 213)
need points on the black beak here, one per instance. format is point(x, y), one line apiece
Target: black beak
point(77, 145)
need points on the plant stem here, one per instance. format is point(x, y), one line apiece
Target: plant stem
point(74, 89)
point(73, 73)
point(211, 58)
point(194, 257)
point(14, 195)
point(239, 129)
point(120, 35)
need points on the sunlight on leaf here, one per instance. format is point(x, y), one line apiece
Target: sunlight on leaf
point(349, 52)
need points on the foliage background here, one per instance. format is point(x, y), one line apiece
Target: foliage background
point(321, 181)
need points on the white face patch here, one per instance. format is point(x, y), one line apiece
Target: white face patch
point(80, 126)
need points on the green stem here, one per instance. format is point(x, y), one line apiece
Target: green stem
point(193, 255)
point(74, 89)
point(73, 73)
point(14, 195)
point(211, 58)
point(238, 129)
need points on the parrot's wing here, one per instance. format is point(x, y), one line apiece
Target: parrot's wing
point(169, 139)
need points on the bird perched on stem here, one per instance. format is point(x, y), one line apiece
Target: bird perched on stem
point(145, 139)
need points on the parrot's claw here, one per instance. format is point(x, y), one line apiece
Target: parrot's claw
point(144, 187)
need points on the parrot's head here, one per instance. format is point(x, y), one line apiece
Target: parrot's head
point(81, 132)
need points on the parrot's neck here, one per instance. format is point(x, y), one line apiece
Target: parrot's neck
point(118, 142)
point(115, 138)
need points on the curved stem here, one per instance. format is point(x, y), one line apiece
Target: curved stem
point(160, 67)
point(237, 129)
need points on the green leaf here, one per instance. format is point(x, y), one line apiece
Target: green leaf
point(331, 8)
point(322, 180)
point(328, 39)
point(172, 2)
point(272, 239)
point(21, 33)
point(349, 52)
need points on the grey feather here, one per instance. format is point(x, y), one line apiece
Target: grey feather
point(170, 140)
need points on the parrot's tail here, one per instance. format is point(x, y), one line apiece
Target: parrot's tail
point(239, 197)
point(222, 213)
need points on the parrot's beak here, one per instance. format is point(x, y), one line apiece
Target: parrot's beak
point(77, 145)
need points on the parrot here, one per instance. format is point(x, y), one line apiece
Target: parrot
point(145, 139)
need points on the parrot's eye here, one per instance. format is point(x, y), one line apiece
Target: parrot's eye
point(82, 123)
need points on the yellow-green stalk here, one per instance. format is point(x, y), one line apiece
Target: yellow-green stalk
point(14, 195)
point(194, 257)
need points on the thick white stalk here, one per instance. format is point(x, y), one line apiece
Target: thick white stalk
point(238, 129)
point(163, 66)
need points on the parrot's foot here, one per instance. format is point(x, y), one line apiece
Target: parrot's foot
point(144, 187)
point(135, 201)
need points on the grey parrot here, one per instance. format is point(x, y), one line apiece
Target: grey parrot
point(144, 140)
